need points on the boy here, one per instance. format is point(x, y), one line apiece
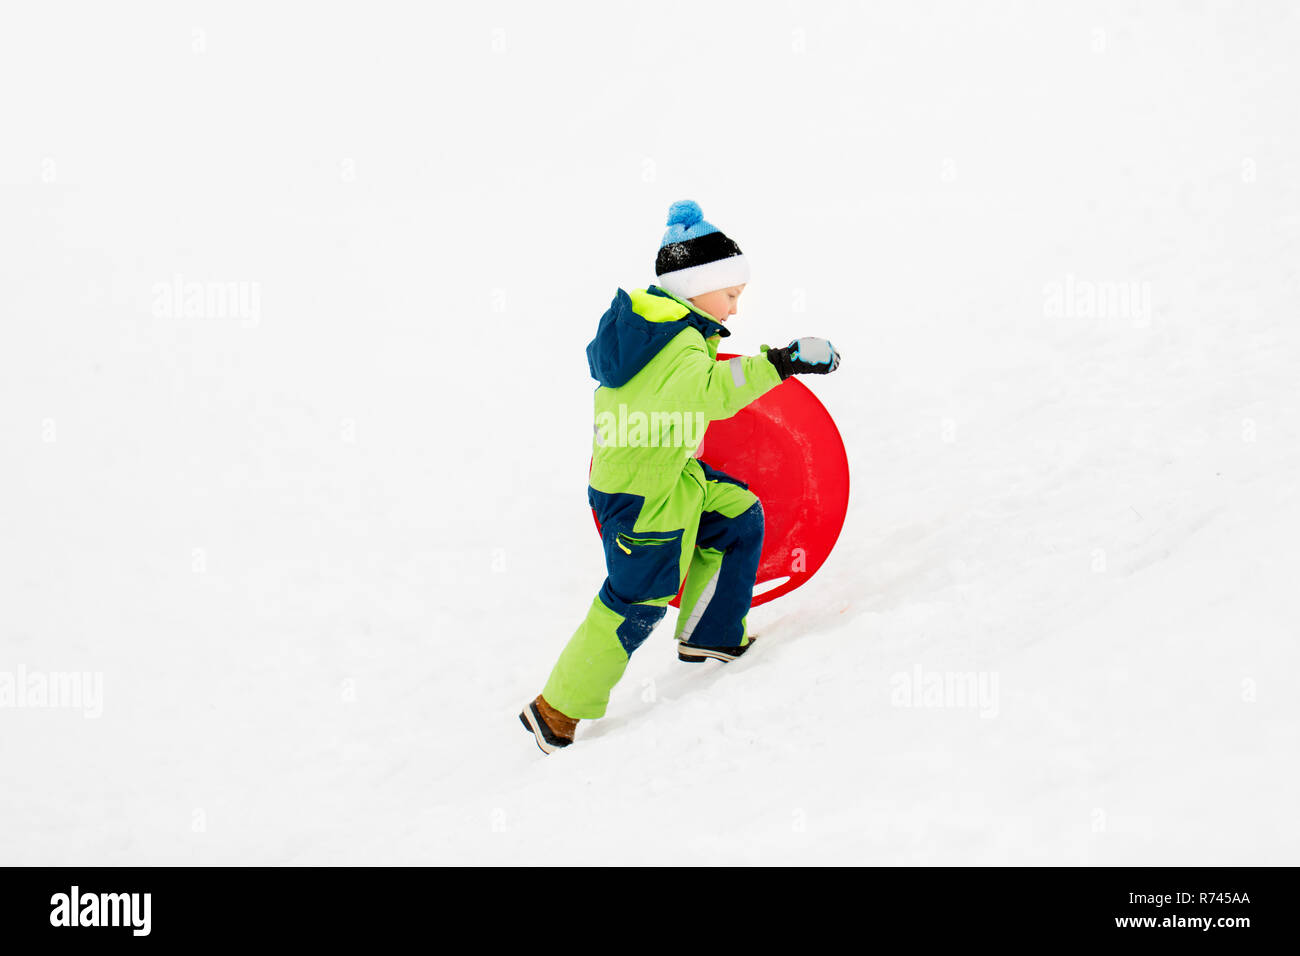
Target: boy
point(665, 516)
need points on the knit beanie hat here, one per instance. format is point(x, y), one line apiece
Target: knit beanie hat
point(695, 257)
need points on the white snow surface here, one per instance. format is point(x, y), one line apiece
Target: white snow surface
point(321, 551)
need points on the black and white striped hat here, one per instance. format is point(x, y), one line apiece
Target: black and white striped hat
point(695, 257)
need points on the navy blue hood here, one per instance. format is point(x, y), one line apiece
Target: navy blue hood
point(625, 341)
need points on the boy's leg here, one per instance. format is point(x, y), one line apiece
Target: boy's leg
point(644, 559)
point(720, 582)
point(596, 656)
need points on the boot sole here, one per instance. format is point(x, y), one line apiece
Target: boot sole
point(546, 740)
point(697, 655)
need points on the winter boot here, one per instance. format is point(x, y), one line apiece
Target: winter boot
point(694, 653)
point(551, 728)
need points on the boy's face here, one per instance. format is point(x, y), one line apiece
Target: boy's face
point(720, 303)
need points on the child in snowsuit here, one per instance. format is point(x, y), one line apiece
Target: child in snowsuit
point(665, 516)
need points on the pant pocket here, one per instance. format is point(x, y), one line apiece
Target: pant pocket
point(643, 565)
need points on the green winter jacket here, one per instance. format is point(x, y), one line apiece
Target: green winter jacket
point(654, 356)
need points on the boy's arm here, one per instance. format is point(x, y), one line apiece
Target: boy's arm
point(698, 382)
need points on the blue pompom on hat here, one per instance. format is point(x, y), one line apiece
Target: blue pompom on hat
point(695, 256)
point(686, 221)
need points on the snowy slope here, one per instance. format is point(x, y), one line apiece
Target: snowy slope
point(321, 542)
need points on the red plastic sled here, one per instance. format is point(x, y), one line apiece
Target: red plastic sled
point(786, 447)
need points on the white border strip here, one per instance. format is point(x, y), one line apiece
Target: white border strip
point(719, 274)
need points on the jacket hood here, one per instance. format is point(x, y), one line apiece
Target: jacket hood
point(626, 340)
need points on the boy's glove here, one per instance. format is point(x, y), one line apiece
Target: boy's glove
point(804, 356)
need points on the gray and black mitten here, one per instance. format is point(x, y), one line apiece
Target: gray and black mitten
point(806, 356)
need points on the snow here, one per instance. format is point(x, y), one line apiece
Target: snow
point(323, 533)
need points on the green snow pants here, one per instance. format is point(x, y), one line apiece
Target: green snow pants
point(707, 532)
